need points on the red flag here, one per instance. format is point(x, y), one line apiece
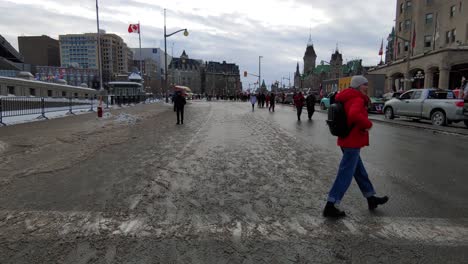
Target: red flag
point(134, 28)
point(381, 49)
point(413, 42)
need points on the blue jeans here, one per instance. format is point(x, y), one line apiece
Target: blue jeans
point(351, 165)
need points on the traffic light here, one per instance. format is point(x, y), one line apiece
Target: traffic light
point(245, 73)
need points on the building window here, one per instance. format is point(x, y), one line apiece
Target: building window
point(429, 2)
point(402, 8)
point(11, 90)
point(406, 45)
point(400, 26)
point(454, 35)
point(429, 18)
point(32, 91)
point(448, 36)
point(452, 10)
point(76, 95)
point(407, 24)
point(427, 41)
point(408, 5)
point(49, 93)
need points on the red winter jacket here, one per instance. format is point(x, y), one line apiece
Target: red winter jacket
point(299, 100)
point(355, 104)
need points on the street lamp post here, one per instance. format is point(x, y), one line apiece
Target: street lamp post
point(165, 53)
point(259, 70)
point(289, 81)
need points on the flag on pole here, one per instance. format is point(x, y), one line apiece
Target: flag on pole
point(436, 32)
point(134, 28)
point(381, 49)
point(413, 40)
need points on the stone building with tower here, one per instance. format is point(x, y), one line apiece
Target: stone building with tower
point(313, 75)
point(186, 72)
point(221, 79)
point(438, 56)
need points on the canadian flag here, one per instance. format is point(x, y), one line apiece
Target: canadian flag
point(381, 49)
point(134, 28)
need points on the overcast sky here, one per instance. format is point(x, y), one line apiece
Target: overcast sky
point(236, 31)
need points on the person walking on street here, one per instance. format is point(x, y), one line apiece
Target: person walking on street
point(267, 100)
point(179, 104)
point(464, 87)
point(272, 102)
point(355, 102)
point(299, 103)
point(253, 100)
point(310, 102)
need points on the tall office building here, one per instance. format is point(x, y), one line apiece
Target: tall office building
point(80, 50)
point(39, 50)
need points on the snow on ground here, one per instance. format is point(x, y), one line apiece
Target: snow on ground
point(14, 120)
point(127, 118)
point(3, 146)
point(57, 112)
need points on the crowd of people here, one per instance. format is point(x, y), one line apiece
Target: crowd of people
point(269, 101)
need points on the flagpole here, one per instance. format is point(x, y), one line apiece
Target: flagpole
point(99, 47)
point(381, 52)
point(139, 38)
point(435, 31)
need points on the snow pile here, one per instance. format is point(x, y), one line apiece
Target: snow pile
point(127, 119)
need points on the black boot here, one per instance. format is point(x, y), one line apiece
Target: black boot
point(376, 201)
point(331, 211)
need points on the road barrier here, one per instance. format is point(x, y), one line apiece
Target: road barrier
point(12, 106)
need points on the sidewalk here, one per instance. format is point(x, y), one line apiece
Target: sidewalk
point(458, 129)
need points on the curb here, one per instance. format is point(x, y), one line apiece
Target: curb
point(461, 132)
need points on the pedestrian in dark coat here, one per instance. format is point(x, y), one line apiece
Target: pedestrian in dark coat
point(272, 102)
point(179, 104)
point(310, 102)
point(355, 102)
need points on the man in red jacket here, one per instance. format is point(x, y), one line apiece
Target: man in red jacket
point(299, 103)
point(355, 102)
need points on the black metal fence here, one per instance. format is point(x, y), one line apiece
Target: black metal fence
point(20, 106)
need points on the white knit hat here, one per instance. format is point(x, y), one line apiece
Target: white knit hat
point(357, 81)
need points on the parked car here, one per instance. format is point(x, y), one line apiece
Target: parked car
point(376, 105)
point(325, 101)
point(391, 95)
point(438, 105)
point(289, 98)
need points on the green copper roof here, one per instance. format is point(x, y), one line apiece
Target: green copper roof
point(322, 68)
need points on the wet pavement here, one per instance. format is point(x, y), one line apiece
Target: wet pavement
point(228, 186)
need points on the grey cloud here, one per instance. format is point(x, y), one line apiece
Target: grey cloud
point(357, 27)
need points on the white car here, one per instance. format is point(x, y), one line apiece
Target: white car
point(438, 105)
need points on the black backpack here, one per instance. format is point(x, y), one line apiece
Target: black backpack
point(337, 122)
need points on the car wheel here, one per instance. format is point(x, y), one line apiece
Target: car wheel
point(466, 123)
point(438, 118)
point(322, 106)
point(389, 113)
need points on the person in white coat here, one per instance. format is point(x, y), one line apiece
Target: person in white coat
point(253, 101)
